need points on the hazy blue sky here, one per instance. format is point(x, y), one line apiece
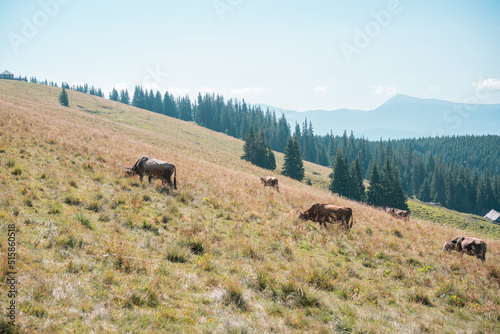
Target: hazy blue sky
point(322, 54)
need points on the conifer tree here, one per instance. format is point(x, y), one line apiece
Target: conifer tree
point(374, 194)
point(169, 106)
point(356, 188)
point(158, 103)
point(124, 97)
point(322, 156)
point(63, 98)
point(250, 146)
point(113, 96)
point(256, 151)
point(138, 99)
point(293, 166)
point(340, 178)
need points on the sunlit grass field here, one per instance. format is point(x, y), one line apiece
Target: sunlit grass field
point(100, 252)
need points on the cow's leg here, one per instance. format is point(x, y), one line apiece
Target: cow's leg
point(149, 178)
point(140, 177)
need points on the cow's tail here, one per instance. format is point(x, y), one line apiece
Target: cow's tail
point(352, 220)
point(175, 177)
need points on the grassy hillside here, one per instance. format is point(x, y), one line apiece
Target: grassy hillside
point(470, 223)
point(100, 252)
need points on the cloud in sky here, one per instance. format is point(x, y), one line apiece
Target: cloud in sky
point(434, 88)
point(120, 86)
point(384, 90)
point(178, 91)
point(253, 90)
point(321, 89)
point(490, 84)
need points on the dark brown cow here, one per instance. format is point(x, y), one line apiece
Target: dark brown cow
point(324, 213)
point(403, 214)
point(468, 245)
point(270, 181)
point(154, 168)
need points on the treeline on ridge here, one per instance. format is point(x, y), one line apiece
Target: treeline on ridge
point(458, 172)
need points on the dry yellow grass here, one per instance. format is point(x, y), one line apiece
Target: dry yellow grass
point(99, 252)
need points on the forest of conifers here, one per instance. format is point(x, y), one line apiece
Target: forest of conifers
point(457, 172)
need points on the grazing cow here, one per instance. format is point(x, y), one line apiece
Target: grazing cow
point(154, 168)
point(404, 214)
point(468, 245)
point(270, 181)
point(323, 213)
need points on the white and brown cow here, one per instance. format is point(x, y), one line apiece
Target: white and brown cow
point(468, 245)
point(154, 168)
point(270, 181)
point(403, 214)
point(324, 213)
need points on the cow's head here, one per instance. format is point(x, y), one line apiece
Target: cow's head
point(448, 246)
point(130, 171)
point(262, 180)
point(302, 215)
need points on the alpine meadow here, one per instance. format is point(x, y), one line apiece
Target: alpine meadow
point(97, 251)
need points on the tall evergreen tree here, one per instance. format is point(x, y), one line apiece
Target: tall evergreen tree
point(124, 97)
point(138, 100)
point(63, 98)
point(293, 166)
point(340, 178)
point(158, 103)
point(322, 156)
point(250, 146)
point(356, 187)
point(113, 96)
point(374, 194)
point(169, 105)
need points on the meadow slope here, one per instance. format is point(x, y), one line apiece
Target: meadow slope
point(100, 252)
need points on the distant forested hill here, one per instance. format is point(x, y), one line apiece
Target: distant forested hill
point(458, 172)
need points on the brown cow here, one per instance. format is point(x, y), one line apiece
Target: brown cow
point(468, 245)
point(154, 168)
point(403, 214)
point(323, 213)
point(270, 181)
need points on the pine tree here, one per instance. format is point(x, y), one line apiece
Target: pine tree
point(256, 151)
point(158, 103)
point(138, 100)
point(357, 189)
point(63, 98)
point(250, 146)
point(169, 106)
point(374, 194)
point(398, 198)
point(392, 190)
point(340, 178)
point(113, 96)
point(322, 156)
point(124, 97)
point(293, 166)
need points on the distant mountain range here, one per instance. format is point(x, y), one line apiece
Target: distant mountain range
point(402, 116)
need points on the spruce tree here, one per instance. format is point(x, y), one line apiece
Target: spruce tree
point(293, 166)
point(374, 194)
point(124, 97)
point(63, 98)
point(357, 189)
point(397, 197)
point(340, 178)
point(250, 146)
point(158, 103)
point(322, 156)
point(113, 96)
